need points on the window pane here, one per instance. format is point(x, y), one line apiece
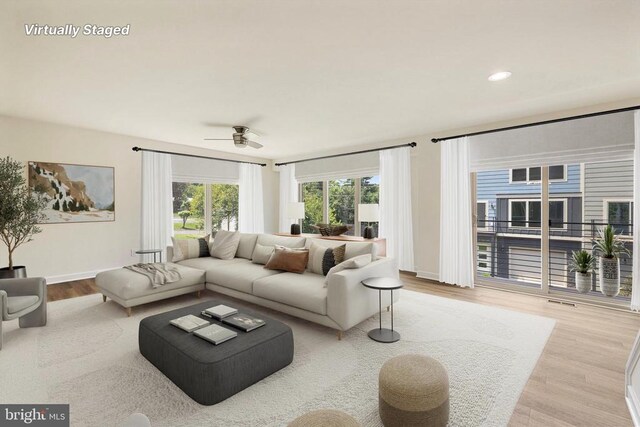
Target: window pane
point(518, 214)
point(369, 193)
point(556, 214)
point(518, 175)
point(342, 194)
point(188, 210)
point(224, 207)
point(556, 172)
point(619, 213)
point(482, 215)
point(312, 198)
point(535, 174)
point(535, 214)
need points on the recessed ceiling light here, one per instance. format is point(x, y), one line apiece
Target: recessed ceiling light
point(500, 75)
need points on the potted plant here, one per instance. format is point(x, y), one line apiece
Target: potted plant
point(609, 246)
point(20, 212)
point(582, 263)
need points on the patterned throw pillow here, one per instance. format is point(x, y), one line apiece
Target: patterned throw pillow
point(190, 248)
point(322, 259)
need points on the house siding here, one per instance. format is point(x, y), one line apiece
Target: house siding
point(606, 180)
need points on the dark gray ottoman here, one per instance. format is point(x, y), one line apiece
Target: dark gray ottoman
point(207, 373)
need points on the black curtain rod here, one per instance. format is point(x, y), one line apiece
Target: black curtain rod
point(411, 144)
point(194, 155)
point(545, 122)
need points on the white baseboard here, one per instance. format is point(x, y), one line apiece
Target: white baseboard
point(74, 276)
point(428, 275)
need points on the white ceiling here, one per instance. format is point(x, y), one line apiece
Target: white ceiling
point(314, 75)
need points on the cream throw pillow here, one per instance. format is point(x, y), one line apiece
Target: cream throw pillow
point(225, 245)
point(352, 263)
point(262, 253)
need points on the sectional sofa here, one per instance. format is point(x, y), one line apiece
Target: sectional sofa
point(338, 301)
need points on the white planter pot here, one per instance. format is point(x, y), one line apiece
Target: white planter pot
point(583, 282)
point(609, 276)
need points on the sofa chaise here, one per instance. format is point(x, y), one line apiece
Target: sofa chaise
point(338, 301)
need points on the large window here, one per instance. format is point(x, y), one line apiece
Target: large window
point(527, 213)
point(199, 209)
point(335, 201)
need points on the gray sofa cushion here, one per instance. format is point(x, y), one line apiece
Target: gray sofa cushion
point(246, 245)
point(207, 262)
point(127, 284)
point(239, 276)
point(305, 291)
point(289, 242)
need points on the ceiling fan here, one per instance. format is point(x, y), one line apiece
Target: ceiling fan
point(240, 138)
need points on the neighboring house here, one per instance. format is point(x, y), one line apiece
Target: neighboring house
point(509, 216)
point(582, 197)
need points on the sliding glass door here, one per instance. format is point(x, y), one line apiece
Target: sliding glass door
point(518, 246)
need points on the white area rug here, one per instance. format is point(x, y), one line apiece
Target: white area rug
point(88, 356)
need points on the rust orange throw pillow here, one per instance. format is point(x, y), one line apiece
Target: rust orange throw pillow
point(287, 259)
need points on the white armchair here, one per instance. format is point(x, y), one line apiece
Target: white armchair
point(24, 299)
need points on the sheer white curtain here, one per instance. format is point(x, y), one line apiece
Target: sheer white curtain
point(288, 193)
point(157, 196)
point(635, 288)
point(395, 205)
point(456, 231)
point(250, 203)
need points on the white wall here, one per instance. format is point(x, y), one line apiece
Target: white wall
point(69, 251)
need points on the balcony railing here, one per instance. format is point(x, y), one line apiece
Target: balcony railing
point(510, 252)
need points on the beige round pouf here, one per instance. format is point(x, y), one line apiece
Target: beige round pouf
point(413, 390)
point(325, 418)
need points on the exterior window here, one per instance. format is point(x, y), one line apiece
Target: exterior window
point(224, 207)
point(556, 213)
point(313, 201)
point(527, 213)
point(619, 213)
point(188, 210)
point(342, 207)
point(556, 173)
point(519, 175)
point(482, 215)
point(534, 174)
point(194, 203)
point(370, 194)
point(334, 201)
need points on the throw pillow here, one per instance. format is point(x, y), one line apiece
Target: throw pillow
point(225, 245)
point(261, 254)
point(322, 259)
point(352, 263)
point(287, 259)
point(190, 248)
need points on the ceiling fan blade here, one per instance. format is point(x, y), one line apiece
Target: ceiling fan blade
point(218, 139)
point(257, 135)
point(254, 144)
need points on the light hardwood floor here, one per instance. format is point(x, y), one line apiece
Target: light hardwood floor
point(579, 379)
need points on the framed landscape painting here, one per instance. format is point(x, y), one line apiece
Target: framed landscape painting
point(74, 193)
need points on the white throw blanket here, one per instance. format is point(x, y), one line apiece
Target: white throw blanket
point(158, 273)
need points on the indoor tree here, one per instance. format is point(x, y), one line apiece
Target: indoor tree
point(20, 211)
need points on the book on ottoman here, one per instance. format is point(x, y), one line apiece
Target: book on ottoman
point(220, 311)
point(215, 334)
point(189, 323)
point(244, 322)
